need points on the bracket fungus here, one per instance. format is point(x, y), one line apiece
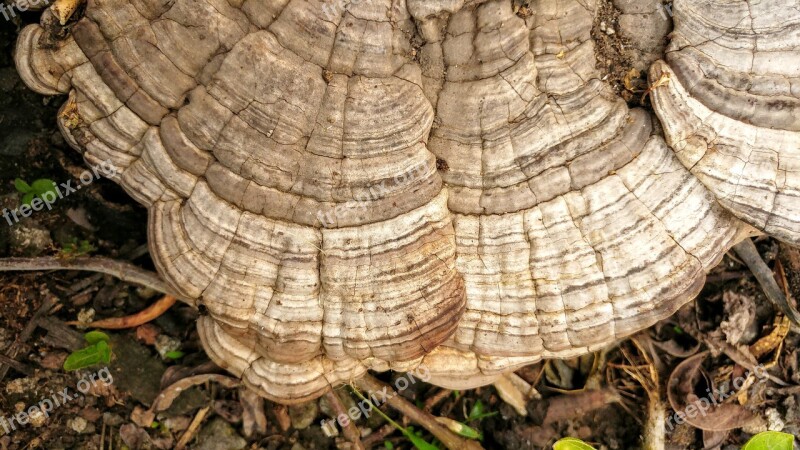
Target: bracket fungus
point(383, 184)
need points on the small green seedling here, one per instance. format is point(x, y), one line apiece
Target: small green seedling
point(174, 354)
point(570, 443)
point(98, 351)
point(478, 412)
point(770, 440)
point(34, 190)
point(75, 248)
point(388, 445)
point(460, 429)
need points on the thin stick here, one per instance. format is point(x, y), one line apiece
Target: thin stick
point(350, 431)
point(47, 303)
point(124, 271)
point(88, 281)
point(152, 312)
point(190, 432)
point(448, 438)
point(749, 254)
point(16, 365)
point(378, 436)
point(434, 399)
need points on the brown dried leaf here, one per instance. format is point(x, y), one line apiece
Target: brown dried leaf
point(282, 414)
point(705, 413)
point(142, 417)
point(254, 421)
point(168, 395)
point(229, 410)
point(714, 439)
point(147, 333)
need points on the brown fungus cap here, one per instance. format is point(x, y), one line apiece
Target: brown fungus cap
point(287, 151)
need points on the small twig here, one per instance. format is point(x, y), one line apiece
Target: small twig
point(26, 334)
point(350, 432)
point(568, 406)
point(791, 390)
point(124, 271)
point(378, 436)
point(746, 360)
point(190, 432)
point(396, 401)
point(88, 281)
point(16, 365)
point(103, 436)
point(749, 254)
point(434, 399)
point(152, 312)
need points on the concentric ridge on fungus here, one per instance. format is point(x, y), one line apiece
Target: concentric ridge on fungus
point(287, 151)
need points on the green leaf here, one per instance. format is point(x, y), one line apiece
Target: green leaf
point(419, 443)
point(89, 356)
point(85, 247)
point(28, 198)
point(93, 337)
point(21, 186)
point(175, 354)
point(477, 412)
point(570, 443)
point(388, 445)
point(770, 440)
point(460, 428)
point(43, 185)
point(104, 350)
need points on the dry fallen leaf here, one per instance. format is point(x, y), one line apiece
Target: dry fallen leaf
point(705, 412)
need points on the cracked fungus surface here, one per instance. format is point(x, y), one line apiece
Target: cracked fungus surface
point(380, 184)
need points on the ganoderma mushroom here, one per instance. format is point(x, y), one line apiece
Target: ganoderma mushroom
point(383, 184)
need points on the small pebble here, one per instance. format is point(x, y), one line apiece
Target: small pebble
point(774, 420)
point(20, 385)
point(111, 419)
point(37, 418)
point(78, 424)
point(303, 415)
point(165, 344)
point(86, 316)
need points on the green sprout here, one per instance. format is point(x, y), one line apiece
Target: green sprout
point(98, 351)
point(174, 354)
point(478, 412)
point(76, 248)
point(34, 190)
